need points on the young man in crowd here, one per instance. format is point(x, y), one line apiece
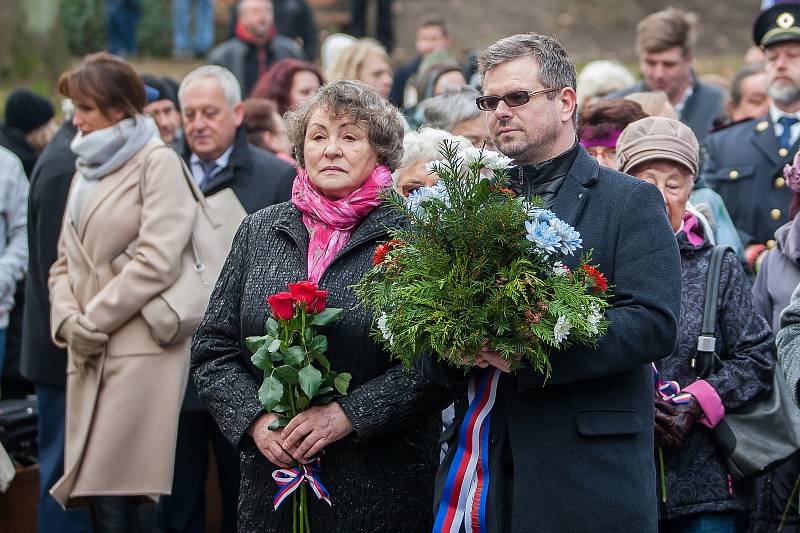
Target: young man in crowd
point(432, 35)
point(665, 43)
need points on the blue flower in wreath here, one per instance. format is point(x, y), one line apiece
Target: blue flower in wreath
point(543, 235)
point(540, 215)
point(570, 239)
point(418, 198)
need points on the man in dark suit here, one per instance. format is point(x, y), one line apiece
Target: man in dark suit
point(217, 150)
point(576, 453)
point(665, 44)
point(744, 162)
point(219, 157)
point(43, 362)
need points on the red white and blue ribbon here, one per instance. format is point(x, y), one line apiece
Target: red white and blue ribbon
point(290, 479)
point(669, 391)
point(467, 486)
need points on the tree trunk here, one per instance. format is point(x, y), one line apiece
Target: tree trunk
point(31, 40)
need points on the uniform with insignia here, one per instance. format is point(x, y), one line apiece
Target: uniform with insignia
point(744, 162)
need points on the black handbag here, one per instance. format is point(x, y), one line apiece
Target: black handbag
point(759, 436)
point(19, 429)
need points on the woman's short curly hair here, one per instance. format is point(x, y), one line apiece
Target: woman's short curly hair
point(361, 103)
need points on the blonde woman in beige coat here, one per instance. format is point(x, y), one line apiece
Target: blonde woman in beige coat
point(124, 391)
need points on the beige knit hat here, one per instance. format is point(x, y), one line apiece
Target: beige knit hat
point(657, 138)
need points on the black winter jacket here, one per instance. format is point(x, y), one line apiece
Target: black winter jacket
point(381, 476)
point(42, 361)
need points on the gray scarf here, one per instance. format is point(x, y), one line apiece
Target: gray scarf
point(102, 152)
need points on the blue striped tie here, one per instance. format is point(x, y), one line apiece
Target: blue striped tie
point(785, 137)
point(208, 173)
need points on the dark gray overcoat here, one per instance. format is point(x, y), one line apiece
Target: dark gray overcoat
point(582, 444)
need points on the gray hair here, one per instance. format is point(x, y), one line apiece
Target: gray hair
point(360, 102)
point(556, 69)
point(450, 108)
point(601, 77)
point(424, 145)
point(226, 79)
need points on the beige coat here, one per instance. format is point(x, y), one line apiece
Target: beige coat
point(122, 416)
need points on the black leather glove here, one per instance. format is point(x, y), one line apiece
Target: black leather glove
point(673, 421)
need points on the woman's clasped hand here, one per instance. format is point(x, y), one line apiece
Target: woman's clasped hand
point(304, 437)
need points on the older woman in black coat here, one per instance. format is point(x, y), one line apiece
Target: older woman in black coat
point(699, 494)
point(380, 442)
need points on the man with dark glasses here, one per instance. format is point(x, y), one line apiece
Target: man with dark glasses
point(578, 446)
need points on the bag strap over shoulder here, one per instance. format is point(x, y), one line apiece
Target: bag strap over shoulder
point(705, 356)
point(198, 195)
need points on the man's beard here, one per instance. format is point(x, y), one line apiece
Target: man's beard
point(514, 148)
point(784, 93)
point(530, 147)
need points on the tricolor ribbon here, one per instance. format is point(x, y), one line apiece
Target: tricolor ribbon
point(669, 391)
point(467, 486)
point(290, 479)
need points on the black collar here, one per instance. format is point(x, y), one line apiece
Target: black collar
point(545, 178)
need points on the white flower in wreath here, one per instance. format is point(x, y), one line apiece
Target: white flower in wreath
point(436, 167)
point(560, 269)
point(562, 328)
point(385, 331)
point(594, 318)
point(486, 158)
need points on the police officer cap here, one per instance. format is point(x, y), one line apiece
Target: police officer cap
point(778, 24)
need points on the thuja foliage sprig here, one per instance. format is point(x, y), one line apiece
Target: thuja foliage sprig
point(477, 266)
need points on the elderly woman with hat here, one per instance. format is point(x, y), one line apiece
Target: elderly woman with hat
point(699, 494)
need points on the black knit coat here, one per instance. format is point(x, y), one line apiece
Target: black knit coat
point(381, 476)
point(696, 475)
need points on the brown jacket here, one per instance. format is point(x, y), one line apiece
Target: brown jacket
point(122, 415)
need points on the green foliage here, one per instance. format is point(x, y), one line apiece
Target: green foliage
point(84, 23)
point(271, 392)
point(310, 380)
point(462, 274)
point(297, 373)
point(327, 316)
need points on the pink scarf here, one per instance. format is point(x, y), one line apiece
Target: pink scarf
point(330, 222)
point(692, 228)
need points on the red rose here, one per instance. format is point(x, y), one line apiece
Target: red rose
point(319, 303)
point(282, 305)
point(304, 291)
point(599, 281)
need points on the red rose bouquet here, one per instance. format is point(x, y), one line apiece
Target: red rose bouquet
point(297, 375)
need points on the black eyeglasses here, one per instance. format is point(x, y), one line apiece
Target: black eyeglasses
point(512, 99)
